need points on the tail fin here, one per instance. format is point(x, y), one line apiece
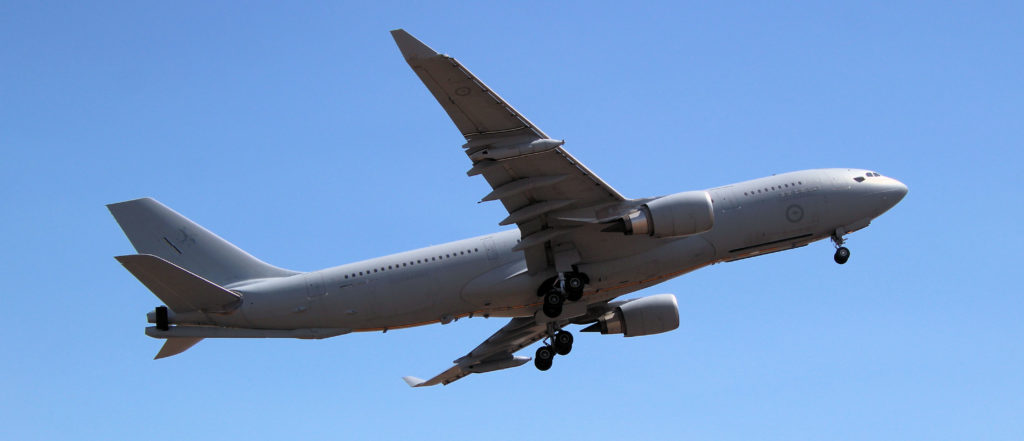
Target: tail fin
point(155, 229)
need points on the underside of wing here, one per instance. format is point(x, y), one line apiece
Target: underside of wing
point(547, 192)
point(493, 354)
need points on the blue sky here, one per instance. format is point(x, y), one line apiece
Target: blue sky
point(298, 132)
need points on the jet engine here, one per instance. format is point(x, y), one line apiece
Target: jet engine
point(644, 316)
point(675, 215)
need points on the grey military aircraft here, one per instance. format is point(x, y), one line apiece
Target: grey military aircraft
point(579, 246)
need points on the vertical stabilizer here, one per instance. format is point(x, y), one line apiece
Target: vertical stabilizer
point(155, 229)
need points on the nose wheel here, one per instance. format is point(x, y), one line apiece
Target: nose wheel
point(561, 344)
point(842, 253)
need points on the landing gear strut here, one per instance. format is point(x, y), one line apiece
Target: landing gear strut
point(561, 344)
point(842, 253)
point(566, 286)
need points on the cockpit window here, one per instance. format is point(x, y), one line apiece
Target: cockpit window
point(859, 179)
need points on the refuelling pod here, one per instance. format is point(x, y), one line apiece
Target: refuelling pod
point(644, 316)
point(498, 152)
point(675, 215)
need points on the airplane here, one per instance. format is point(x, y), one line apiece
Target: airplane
point(577, 247)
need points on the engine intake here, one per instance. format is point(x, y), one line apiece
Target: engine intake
point(644, 316)
point(675, 215)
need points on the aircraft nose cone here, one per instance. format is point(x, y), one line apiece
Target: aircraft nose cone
point(894, 192)
point(899, 190)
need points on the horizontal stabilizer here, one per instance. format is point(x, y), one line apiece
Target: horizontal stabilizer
point(175, 346)
point(179, 289)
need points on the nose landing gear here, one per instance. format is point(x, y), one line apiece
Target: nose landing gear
point(842, 253)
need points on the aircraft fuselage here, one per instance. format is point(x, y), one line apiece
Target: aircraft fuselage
point(484, 276)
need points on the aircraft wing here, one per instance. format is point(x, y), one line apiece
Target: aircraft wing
point(539, 183)
point(493, 354)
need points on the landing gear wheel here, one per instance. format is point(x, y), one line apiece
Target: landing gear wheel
point(552, 311)
point(553, 301)
point(574, 286)
point(563, 342)
point(842, 255)
point(544, 358)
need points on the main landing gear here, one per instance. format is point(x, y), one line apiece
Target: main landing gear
point(560, 343)
point(566, 286)
point(842, 253)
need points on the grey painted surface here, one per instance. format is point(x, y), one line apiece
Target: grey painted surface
point(562, 209)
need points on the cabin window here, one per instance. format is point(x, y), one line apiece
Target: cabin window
point(859, 179)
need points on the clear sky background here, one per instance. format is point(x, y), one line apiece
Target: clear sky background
point(297, 131)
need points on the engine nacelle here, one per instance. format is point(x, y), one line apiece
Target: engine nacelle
point(644, 316)
point(675, 215)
